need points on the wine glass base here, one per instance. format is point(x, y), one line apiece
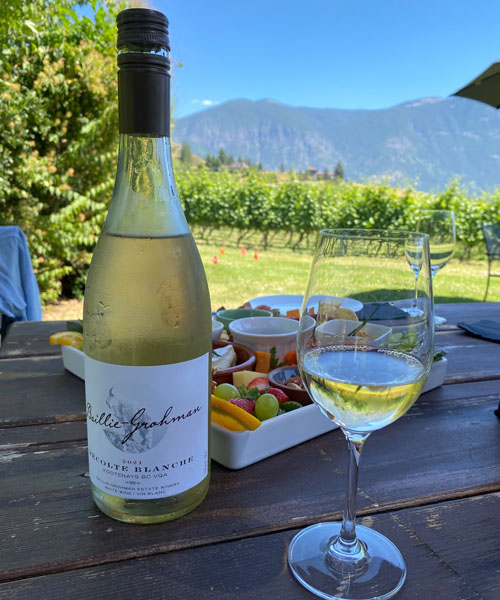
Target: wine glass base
point(379, 576)
point(439, 320)
point(413, 311)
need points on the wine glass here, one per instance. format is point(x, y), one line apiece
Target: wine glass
point(363, 374)
point(440, 227)
point(414, 258)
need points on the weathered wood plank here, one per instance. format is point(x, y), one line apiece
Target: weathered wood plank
point(37, 391)
point(469, 358)
point(466, 392)
point(464, 535)
point(442, 562)
point(36, 435)
point(440, 449)
point(27, 367)
point(468, 312)
point(28, 394)
point(31, 338)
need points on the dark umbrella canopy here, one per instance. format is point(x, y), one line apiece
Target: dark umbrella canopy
point(485, 87)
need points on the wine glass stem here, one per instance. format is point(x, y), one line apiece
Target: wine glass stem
point(415, 295)
point(346, 546)
point(348, 531)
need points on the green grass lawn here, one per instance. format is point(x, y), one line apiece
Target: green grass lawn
point(237, 277)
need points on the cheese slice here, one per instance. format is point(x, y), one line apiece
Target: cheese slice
point(223, 358)
point(245, 377)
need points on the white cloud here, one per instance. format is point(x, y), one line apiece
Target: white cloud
point(205, 102)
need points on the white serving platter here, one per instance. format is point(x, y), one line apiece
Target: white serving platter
point(339, 330)
point(73, 361)
point(240, 449)
point(437, 375)
point(286, 302)
point(236, 450)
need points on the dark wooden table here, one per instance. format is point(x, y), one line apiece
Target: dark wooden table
point(430, 482)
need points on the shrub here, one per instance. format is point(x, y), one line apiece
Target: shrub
point(58, 107)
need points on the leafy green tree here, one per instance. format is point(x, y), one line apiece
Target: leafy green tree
point(223, 157)
point(339, 171)
point(213, 162)
point(186, 154)
point(58, 132)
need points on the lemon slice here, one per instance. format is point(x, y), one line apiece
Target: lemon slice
point(232, 417)
point(67, 338)
point(327, 309)
point(347, 314)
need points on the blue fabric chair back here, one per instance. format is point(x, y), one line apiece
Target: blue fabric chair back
point(19, 293)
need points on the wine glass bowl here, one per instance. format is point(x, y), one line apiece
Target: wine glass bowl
point(440, 227)
point(362, 382)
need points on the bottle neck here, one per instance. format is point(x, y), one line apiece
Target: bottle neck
point(144, 95)
point(145, 201)
point(145, 164)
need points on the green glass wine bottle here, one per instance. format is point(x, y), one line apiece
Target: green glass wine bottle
point(147, 322)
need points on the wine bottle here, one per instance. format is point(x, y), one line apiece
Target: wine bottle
point(147, 322)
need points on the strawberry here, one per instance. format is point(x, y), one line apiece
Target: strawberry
point(261, 383)
point(244, 403)
point(278, 394)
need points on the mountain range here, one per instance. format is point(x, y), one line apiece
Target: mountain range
point(425, 143)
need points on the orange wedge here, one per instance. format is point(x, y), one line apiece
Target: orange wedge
point(232, 417)
point(67, 338)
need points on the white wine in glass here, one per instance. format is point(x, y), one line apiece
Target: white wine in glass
point(363, 378)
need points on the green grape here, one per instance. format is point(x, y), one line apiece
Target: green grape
point(226, 391)
point(266, 407)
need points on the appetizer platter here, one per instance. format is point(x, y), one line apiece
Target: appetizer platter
point(234, 443)
point(259, 405)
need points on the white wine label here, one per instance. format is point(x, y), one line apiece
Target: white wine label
point(147, 427)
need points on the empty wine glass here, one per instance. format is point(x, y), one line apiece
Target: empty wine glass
point(414, 258)
point(440, 227)
point(364, 363)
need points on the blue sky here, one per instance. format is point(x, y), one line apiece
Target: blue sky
point(327, 53)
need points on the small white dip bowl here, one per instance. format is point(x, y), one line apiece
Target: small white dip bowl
point(264, 333)
point(217, 328)
point(338, 330)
